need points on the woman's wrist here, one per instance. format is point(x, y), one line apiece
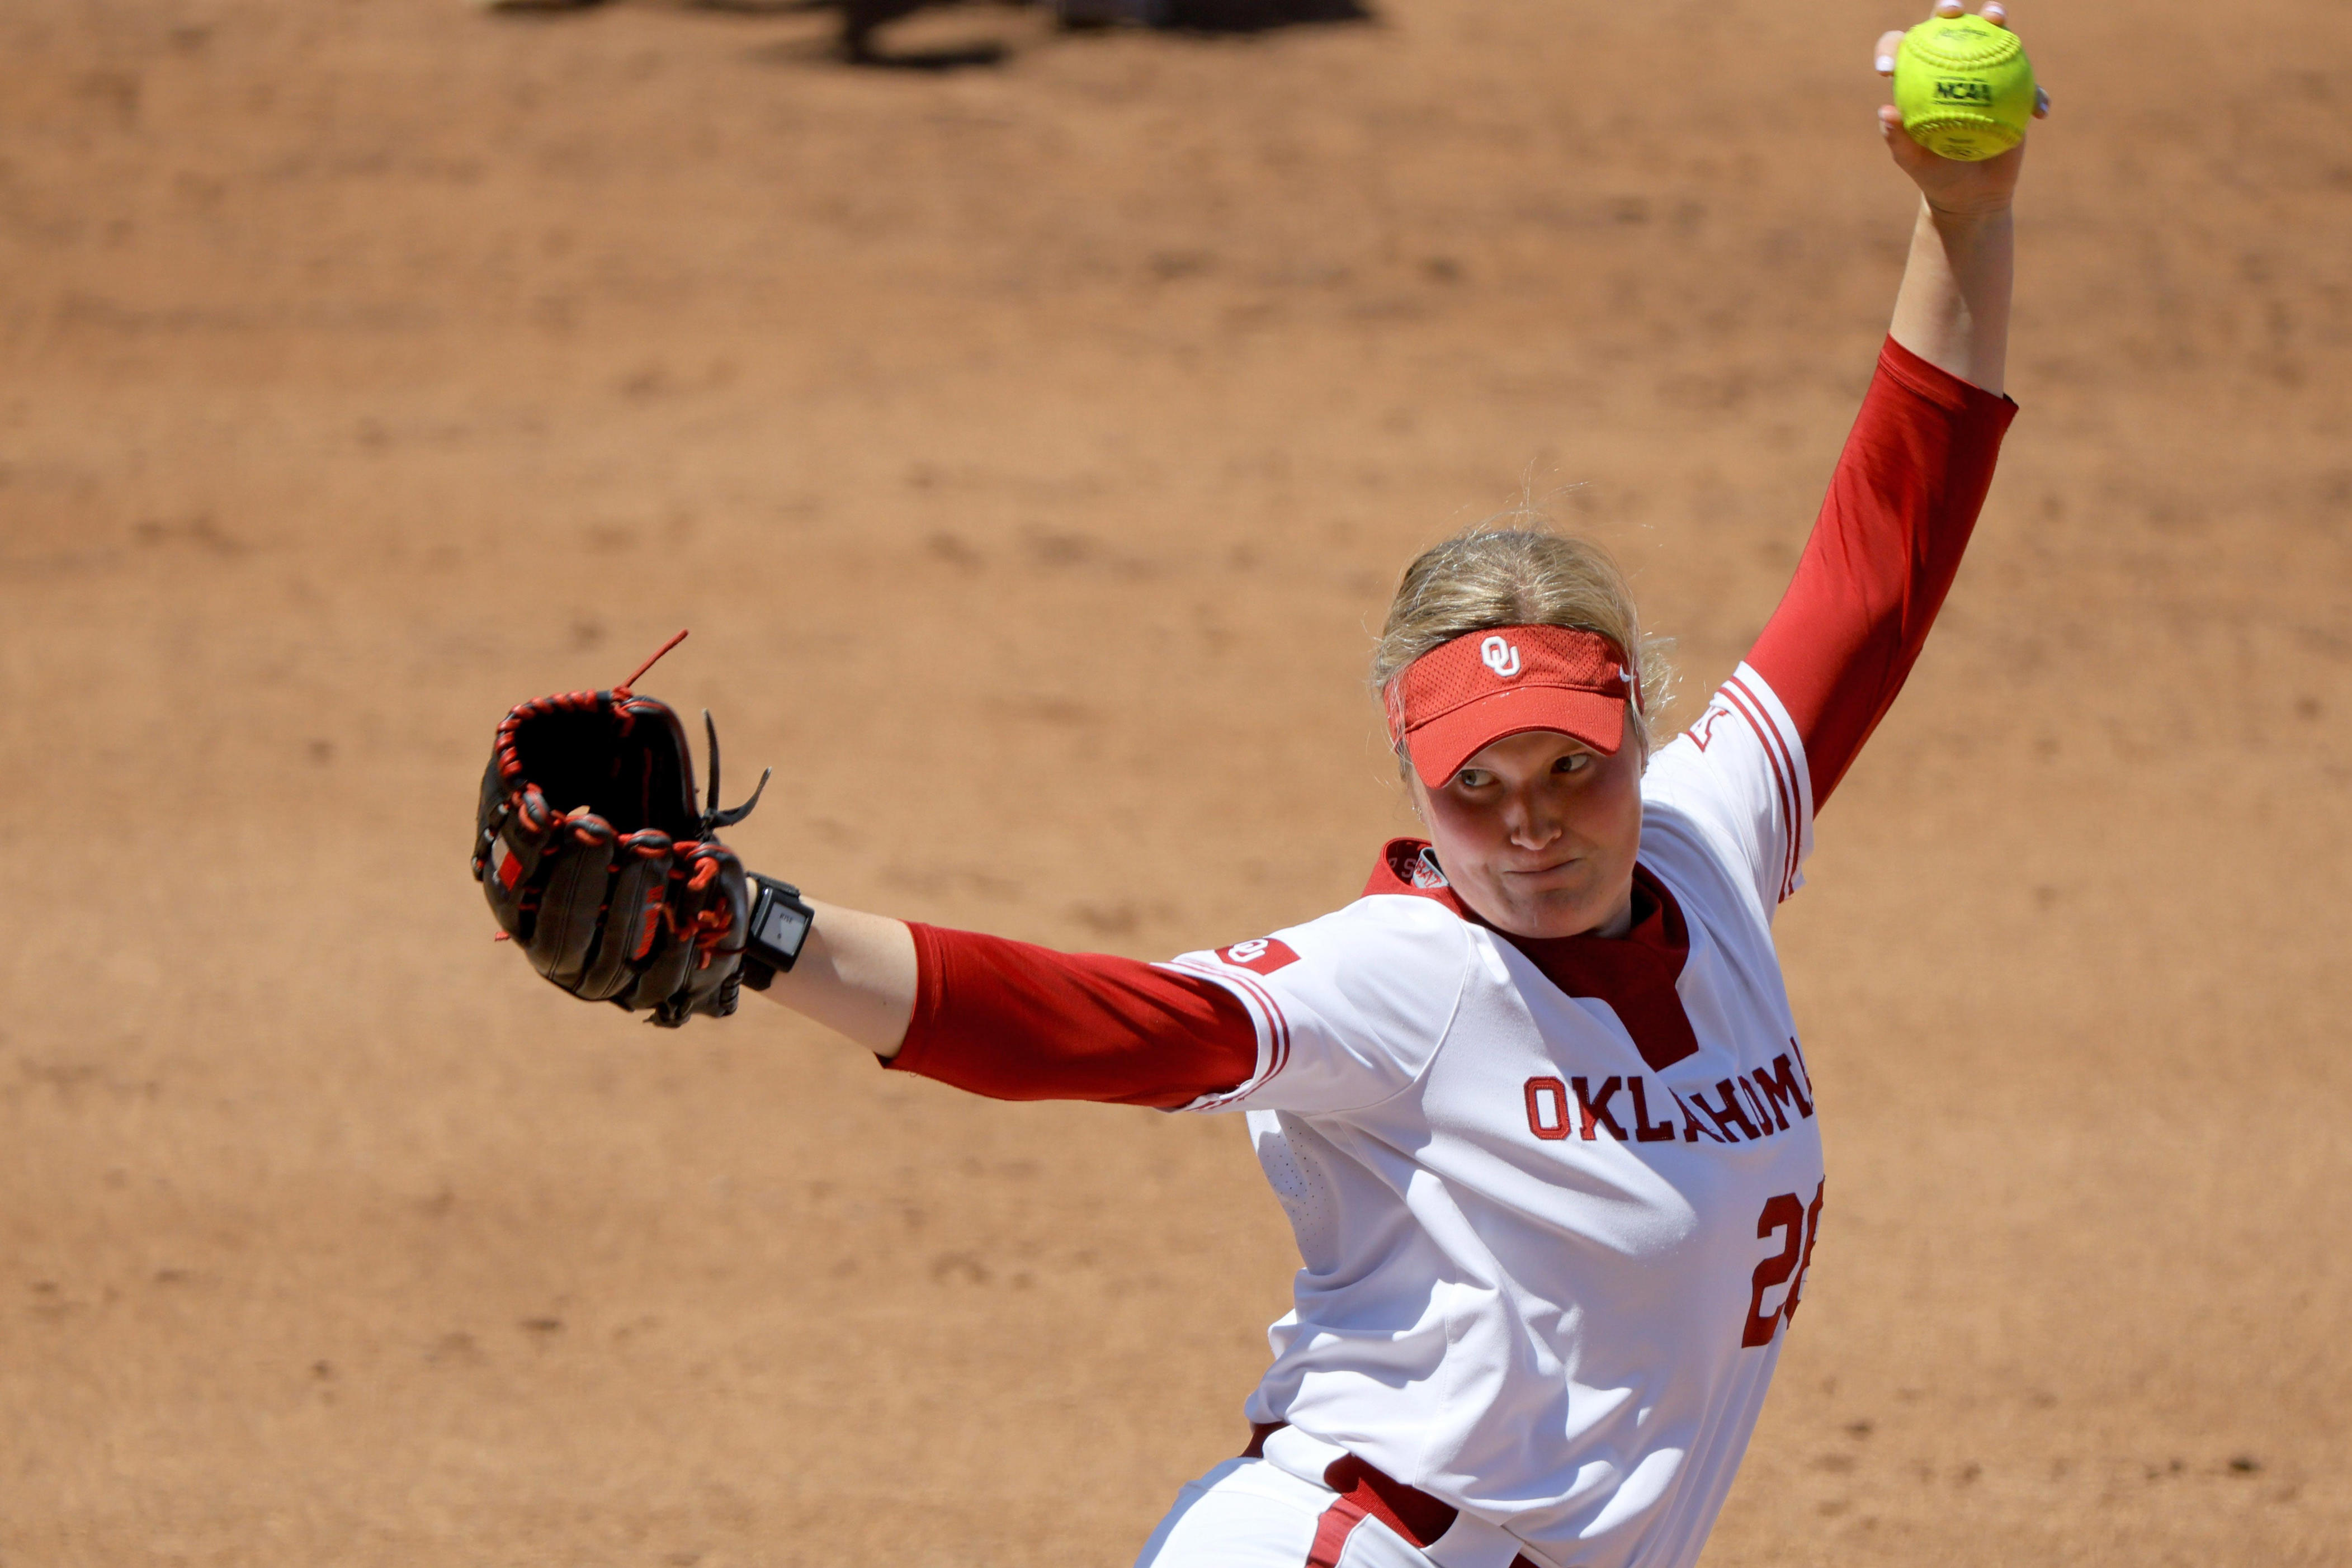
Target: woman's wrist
point(1966, 216)
point(1953, 307)
point(858, 975)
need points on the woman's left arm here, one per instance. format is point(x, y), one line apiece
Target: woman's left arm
point(1915, 471)
point(1953, 307)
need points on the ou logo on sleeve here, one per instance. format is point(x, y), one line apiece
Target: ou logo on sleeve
point(1500, 655)
point(1263, 953)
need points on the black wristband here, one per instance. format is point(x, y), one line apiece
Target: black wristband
point(780, 923)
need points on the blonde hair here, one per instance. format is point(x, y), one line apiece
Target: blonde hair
point(1513, 570)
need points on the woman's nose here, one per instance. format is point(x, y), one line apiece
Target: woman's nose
point(1531, 819)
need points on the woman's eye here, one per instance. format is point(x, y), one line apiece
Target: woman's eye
point(1473, 778)
point(1574, 763)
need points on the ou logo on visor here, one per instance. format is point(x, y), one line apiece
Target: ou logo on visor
point(1500, 656)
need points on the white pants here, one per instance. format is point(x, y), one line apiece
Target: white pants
point(1245, 1513)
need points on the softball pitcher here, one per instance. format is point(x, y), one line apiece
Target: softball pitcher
point(1535, 1102)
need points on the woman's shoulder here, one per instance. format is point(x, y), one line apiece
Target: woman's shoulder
point(1376, 937)
point(1706, 869)
point(1387, 967)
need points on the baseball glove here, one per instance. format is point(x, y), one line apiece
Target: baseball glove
point(597, 861)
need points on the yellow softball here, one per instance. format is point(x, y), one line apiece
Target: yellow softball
point(1964, 85)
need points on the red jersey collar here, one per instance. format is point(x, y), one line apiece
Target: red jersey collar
point(1634, 974)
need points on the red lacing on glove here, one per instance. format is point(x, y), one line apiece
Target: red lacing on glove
point(706, 927)
point(622, 689)
point(646, 843)
point(589, 828)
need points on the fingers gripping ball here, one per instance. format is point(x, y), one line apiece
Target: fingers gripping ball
point(1964, 86)
point(597, 861)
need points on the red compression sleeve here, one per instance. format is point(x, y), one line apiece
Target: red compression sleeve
point(1014, 1021)
point(1883, 554)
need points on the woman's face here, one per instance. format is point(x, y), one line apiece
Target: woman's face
point(1537, 833)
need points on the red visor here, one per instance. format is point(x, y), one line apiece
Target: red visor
point(1463, 696)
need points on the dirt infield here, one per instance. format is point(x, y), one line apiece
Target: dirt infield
point(1029, 448)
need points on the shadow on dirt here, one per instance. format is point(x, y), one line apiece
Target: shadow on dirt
point(861, 20)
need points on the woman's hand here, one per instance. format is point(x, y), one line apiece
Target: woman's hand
point(1954, 188)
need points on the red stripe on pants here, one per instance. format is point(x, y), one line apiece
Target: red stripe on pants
point(1331, 1532)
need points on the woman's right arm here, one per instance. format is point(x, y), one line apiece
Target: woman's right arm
point(1016, 1021)
point(857, 975)
point(1907, 488)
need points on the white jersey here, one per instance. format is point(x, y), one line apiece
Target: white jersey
point(1547, 1263)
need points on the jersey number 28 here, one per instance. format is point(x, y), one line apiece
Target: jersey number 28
point(1802, 1221)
